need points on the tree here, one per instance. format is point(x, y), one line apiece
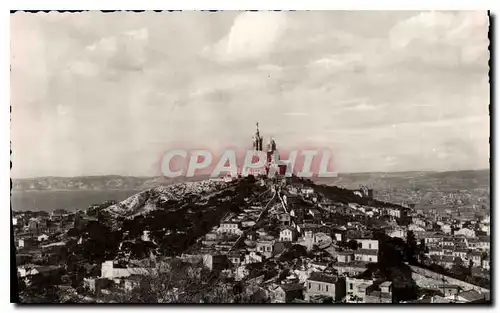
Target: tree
point(471, 265)
point(411, 248)
point(421, 250)
point(458, 262)
point(177, 282)
point(295, 252)
point(352, 244)
point(42, 289)
point(354, 298)
point(73, 232)
point(458, 269)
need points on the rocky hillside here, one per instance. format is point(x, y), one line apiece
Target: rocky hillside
point(175, 217)
point(161, 197)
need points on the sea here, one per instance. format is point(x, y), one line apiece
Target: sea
point(71, 200)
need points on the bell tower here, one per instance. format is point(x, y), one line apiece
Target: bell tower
point(257, 139)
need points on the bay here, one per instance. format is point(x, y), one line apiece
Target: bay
point(71, 200)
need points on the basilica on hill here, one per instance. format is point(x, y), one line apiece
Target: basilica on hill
point(272, 154)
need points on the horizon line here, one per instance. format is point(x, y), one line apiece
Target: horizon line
point(203, 175)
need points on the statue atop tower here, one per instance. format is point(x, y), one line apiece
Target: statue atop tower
point(257, 139)
point(271, 152)
point(271, 146)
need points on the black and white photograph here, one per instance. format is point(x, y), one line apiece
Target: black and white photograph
point(250, 157)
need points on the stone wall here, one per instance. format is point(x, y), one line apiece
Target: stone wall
point(448, 280)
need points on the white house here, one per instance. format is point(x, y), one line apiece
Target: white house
point(436, 251)
point(396, 233)
point(418, 221)
point(483, 244)
point(230, 227)
point(320, 284)
point(288, 234)
point(395, 212)
point(307, 191)
point(253, 257)
point(265, 247)
point(356, 289)
point(368, 244)
point(145, 235)
point(366, 255)
point(345, 256)
point(432, 239)
point(460, 253)
point(109, 271)
point(416, 228)
point(23, 271)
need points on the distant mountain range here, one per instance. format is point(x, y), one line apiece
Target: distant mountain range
point(455, 180)
point(107, 182)
point(452, 180)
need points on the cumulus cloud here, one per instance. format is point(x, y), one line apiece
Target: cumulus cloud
point(456, 37)
point(252, 35)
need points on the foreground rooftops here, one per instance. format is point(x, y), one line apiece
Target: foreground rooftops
point(320, 277)
point(366, 251)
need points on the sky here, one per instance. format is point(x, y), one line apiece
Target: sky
point(108, 93)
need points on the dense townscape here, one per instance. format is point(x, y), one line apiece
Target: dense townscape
point(253, 240)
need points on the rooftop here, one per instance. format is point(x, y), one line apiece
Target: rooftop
point(44, 269)
point(471, 295)
point(320, 277)
point(346, 252)
point(380, 294)
point(287, 228)
point(475, 253)
point(292, 287)
point(366, 251)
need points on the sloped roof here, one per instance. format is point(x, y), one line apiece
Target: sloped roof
point(380, 294)
point(287, 228)
point(346, 252)
point(366, 251)
point(292, 287)
point(471, 295)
